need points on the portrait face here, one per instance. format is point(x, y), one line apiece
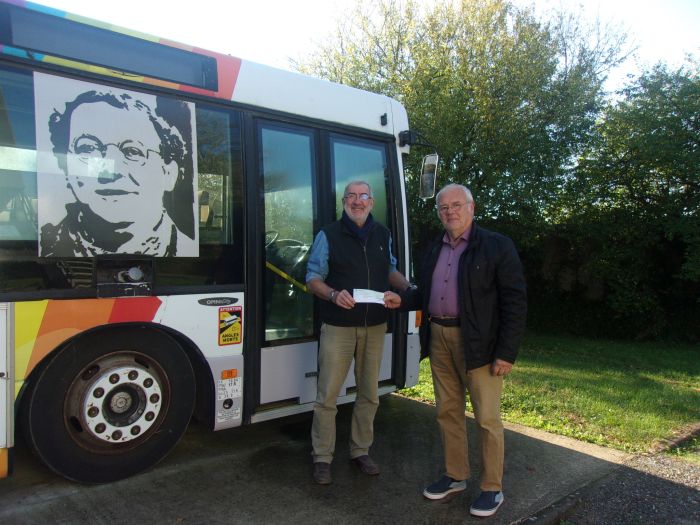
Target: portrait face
point(117, 170)
point(357, 203)
point(454, 211)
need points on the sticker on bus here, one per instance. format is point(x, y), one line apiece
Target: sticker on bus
point(230, 322)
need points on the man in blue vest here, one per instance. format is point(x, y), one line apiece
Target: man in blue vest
point(349, 254)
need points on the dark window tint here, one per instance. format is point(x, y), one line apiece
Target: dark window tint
point(220, 212)
point(219, 198)
point(51, 35)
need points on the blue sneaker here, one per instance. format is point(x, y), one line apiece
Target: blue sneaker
point(487, 503)
point(444, 486)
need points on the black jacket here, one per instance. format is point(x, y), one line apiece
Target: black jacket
point(354, 264)
point(492, 297)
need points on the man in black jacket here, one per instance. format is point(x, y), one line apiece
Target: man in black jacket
point(472, 291)
point(349, 254)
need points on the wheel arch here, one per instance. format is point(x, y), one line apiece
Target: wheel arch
point(57, 425)
point(204, 403)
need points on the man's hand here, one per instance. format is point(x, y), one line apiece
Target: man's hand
point(344, 299)
point(392, 300)
point(500, 367)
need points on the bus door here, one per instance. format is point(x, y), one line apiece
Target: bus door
point(288, 157)
point(296, 203)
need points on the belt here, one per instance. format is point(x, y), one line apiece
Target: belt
point(444, 321)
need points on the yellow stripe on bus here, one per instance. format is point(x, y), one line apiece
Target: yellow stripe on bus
point(28, 317)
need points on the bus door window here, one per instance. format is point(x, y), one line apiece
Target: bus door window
point(288, 168)
point(355, 159)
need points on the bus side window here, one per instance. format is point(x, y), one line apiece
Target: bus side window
point(219, 205)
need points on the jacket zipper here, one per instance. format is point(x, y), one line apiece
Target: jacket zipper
point(364, 251)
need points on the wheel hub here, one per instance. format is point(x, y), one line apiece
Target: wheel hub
point(121, 404)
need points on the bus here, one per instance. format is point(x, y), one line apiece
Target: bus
point(157, 206)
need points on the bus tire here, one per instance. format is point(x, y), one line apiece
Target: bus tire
point(110, 404)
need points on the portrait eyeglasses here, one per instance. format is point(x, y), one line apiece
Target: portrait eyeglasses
point(355, 196)
point(87, 148)
point(457, 206)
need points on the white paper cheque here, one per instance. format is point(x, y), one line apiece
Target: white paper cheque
point(367, 296)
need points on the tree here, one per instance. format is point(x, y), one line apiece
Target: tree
point(602, 196)
point(509, 100)
point(639, 196)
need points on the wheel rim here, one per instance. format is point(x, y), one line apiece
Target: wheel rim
point(117, 401)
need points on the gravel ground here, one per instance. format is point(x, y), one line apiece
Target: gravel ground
point(650, 490)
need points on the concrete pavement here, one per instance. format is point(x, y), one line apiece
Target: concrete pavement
point(262, 474)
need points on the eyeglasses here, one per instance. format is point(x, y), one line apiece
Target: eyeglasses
point(87, 148)
point(355, 196)
point(457, 206)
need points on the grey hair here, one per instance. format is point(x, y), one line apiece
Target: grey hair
point(467, 193)
point(352, 183)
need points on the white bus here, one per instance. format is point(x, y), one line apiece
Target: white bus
point(157, 205)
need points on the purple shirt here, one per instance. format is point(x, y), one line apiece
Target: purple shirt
point(443, 292)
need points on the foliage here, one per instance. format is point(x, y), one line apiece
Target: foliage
point(624, 395)
point(506, 98)
point(635, 206)
point(600, 195)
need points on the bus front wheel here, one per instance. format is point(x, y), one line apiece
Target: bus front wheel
point(110, 404)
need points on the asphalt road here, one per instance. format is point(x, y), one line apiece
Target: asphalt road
point(262, 474)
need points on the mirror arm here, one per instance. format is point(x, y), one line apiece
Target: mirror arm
point(414, 138)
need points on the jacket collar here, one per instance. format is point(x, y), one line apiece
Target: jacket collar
point(474, 235)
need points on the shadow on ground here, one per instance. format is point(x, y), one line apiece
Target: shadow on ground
point(262, 474)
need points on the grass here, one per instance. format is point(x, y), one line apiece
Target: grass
point(688, 451)
point(630, 396)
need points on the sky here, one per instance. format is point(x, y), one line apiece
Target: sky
point(273, 31)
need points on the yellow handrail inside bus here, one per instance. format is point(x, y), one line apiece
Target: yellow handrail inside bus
point(286, 276)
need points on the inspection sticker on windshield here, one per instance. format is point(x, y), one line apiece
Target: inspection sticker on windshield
point(230, 325)
point(367, 296)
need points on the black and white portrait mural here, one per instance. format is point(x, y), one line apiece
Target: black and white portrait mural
point(116, 171)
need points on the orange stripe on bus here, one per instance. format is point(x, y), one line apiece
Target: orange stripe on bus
point(63, 319)
point(4, 462)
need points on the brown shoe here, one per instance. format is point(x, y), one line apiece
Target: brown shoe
point(366, 465)
point(322, 473)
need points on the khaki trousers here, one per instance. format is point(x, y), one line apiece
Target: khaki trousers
point(337, 348)
point(451, 381)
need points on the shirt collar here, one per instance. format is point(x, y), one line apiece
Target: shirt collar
point(464, 237)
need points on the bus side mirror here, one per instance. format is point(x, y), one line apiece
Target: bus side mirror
point(428, 176)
